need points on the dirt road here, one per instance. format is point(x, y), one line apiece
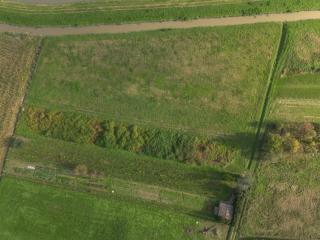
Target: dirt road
point(136, 27)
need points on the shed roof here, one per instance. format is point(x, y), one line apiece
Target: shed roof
point(225, 210)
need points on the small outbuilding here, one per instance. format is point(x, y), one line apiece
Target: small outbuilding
point(224, 211)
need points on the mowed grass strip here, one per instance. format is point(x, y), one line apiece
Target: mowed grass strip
point(297, 98)
point(31, 211)
point(99, 12)
point(207, 81)
point(17, 54)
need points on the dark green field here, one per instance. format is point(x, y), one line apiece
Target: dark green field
point(136, 11)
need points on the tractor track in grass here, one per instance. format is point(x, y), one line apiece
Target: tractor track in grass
point(149, 26)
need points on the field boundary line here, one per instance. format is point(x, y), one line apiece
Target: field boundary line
point(13, 126)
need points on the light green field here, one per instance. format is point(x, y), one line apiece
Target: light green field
point(31, 211)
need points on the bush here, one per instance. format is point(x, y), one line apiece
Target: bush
point(293, 138)
point(274, 143)
point(80, 170)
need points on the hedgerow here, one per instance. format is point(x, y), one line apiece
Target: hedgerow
point(156, 142)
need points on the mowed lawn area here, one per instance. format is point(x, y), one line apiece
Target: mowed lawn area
point(73, 12)
point(208, 81)
point(32, 211)
point(284, 201)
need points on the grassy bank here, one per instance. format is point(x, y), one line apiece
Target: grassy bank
point(106, 12)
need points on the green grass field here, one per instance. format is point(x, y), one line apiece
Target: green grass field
point(141, 10)
point(183, 80)
point(31, 211)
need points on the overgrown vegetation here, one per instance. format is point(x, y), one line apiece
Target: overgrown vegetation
point(293, 138)
point(284, 199)
point(136, 11)
point(159, 143)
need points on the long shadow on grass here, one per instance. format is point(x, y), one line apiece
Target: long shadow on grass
point(243, 142)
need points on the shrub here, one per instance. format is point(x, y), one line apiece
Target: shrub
point(274, 143)
point(80, 170)
point(293, 138)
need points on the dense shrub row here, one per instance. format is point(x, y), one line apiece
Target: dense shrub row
point(293, 138)
point(154, 142)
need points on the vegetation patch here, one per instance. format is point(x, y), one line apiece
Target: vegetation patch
point(293, 138)
point(284, 200)
point(159, 143)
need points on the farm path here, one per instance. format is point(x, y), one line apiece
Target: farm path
point(148, 26)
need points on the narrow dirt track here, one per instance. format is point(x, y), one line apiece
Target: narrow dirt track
point(136, 27)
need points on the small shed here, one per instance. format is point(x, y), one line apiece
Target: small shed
point(225, 210)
